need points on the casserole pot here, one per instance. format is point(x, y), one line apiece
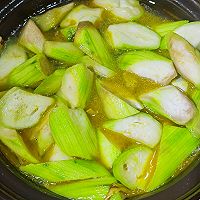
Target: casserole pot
point(13, 185)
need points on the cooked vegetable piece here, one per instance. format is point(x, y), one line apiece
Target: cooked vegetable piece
point(69, 32)
point(129, 168)
point(116, 196)
point(14, 141)
point(181, 84)
point(2, 93)
point(20, 109)
point(51, 84)
point(63, 51)
point(89, 40)
point(149, 65)
point(113, 106)
point(176, 145)
point(82, 13)
point(32, 38)
point(98, 69)
point(123, 9)
point(76, 86)
point(53, 17)
point(31, 72)
point(190, 32)
point(171, 103)
point(108, 152)
point(66, 170)
point(132, 36)
point(164, 42)
point(140, 127)
point(73, 132)
point(186, 59)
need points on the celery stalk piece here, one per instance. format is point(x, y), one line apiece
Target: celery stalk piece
point(21, 109)
point(73, 132)
point(149, 65)
point(51, 84)
point(186, 59)
point(69, 32)
point(108, 152)
point(82, 13)
point(164, 29)
point(122, 9)
point(129, 168)
point(181, 84)
point(176, 145)
point(113, 106)
point(190, 32)
point(76, 86)
point(140, 127)
point(14, 141)
point(116, 196)
point(89, 40)
point(31, 72)
point(171, 103)
point(32, 38)
point(66, 170)
point(63, 51)
point(164, 42)
point(53, 17)
point(132, 36)
point(12, 56)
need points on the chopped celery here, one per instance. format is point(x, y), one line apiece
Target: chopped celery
point(171, 103)
point(140, 127)
point(190, 32)
point(14, 141)
point(51, 84)
point(164, 29)
point(31, 72)
point(132, 36)
point(63, 51)
point(76, 86)
point(108, 152)
point(164, 42)
point(146, 64)
point(129, 168)
point(89, 40)
point(66, 170)
point(181, 84)
point(82, 13)
point(21, 109)
point(73, 132)
point(186, 59)
point(69, 32)
point(53, 17)
point(116, 196)
point(113, 106)
point(32, 38)
point(176, 145)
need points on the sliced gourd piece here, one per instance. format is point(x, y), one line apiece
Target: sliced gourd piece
point(185, 58)
point(89, 40)
point(76, 86)
point(32, 38)
point(2, 93)
point(31, 72)
point(140, 127)
point(171, 103)
point(149, 65)
point(176, 145)
point(108, 152)
point(113, 106)
point(181, 84)
point(66, 170)
point(132, 36)
point(190, 32)
point(69, 32)
point(53, 17)
point(82, 13)
point(98, 69)
point(21, 109)
point(73, 132)
point(63, 51)
point(129, 168)
point(164, 42)
point(116, 196)
point(51, 84)
point(14, 141)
